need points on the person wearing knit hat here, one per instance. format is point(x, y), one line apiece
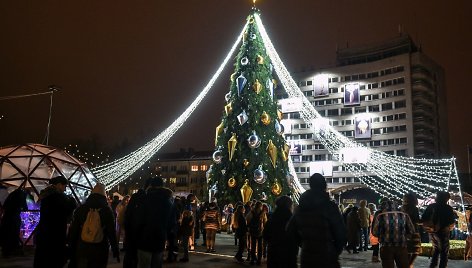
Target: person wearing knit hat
point(51, 231)
point(318, 225)
point(85, 254)
point(99, 188)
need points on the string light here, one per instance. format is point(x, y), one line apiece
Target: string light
point(388, 175)
point(115, 172)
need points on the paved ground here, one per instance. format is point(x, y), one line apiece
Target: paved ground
point(224, 258)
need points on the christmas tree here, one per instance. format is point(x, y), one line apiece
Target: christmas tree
point(250, 159)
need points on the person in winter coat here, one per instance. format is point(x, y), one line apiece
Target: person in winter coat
point(93, 254)
point(120, 216)
point(11, 222)
point(374, 241)
point(364, 217)
point(392, 227)
point(155, 219)
point(200, 213)
point(318, 227)
point(186, 229)
point(442, 215)
point(353, 229)
point(131, 221)
point(282, 249)
point(212, 219)
point(172, 233)
point(256, 220)
point(413, 243)
point(51, 232)
point(240, 231)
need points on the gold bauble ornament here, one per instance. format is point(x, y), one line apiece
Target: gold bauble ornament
point(231, 182)
point(265, 118)
point(260, 59)
point(257, 86)
point(272, 151)
point(232, 145)
point(245, 163)
point(228, 108)
point(246, 192)
point(285, 152)
point(219, 130)
point(251, 20)
point(276, 188)
point(279, 114)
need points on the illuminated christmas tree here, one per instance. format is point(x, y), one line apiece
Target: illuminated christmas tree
point(250, 158)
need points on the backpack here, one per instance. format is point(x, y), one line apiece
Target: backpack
point(92, 231)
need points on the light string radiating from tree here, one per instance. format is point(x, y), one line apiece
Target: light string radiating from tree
point(397, 175)
point(386, 174)
point(115, 172)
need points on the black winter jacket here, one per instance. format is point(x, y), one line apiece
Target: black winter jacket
point(51, 232)
point(282, 249)
point(99, 251)
point(319, 229)
point(156, 218)
point(441, 214)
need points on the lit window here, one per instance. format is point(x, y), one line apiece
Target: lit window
point(203, 167)
point(194, 168)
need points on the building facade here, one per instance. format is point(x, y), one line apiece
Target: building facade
point(388, 96)
point(184, 172)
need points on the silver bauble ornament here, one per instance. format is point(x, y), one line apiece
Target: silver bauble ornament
point(279, 128)
point(244, 61)
point(223, 171)
point(254, 141)
point(217, 156)
point(243, 117)
point(259, 175)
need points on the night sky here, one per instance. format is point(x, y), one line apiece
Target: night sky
point(129, 68)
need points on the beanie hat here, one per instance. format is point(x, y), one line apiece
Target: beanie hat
point(99, 189)
point(58, 179)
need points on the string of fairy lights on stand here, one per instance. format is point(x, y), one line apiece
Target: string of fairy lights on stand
point(115, 172)
point(389, 175)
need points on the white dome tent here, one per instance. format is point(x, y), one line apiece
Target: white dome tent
point(31, 166)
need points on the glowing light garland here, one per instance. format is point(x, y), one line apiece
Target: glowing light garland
point(386, 174)
point(113, 173)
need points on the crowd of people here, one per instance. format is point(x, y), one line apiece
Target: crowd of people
point(155, 226)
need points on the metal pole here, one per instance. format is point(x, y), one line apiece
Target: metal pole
point(52, 89)
point(49, 119)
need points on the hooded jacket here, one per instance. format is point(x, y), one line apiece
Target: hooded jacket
point(318, 227)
